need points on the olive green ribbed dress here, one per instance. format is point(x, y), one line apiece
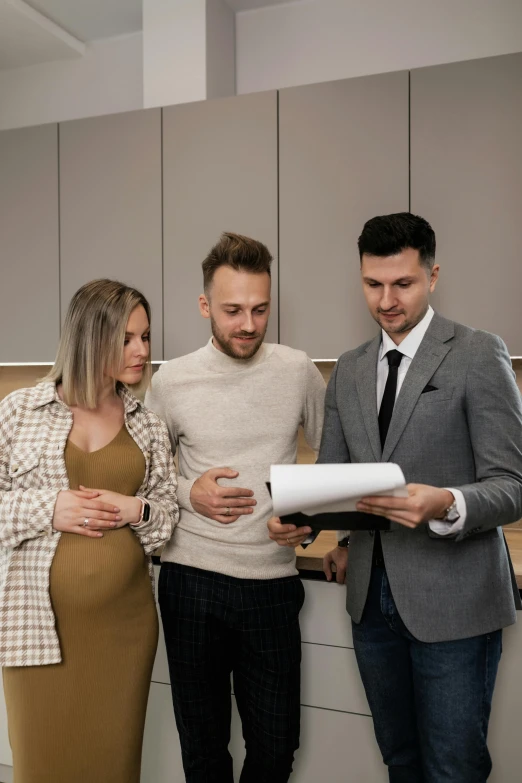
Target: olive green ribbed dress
point(81, 721)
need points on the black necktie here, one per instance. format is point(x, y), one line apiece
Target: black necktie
point(390, 390)
point(385, 414)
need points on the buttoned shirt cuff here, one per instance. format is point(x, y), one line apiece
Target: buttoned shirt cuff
point(442, 528)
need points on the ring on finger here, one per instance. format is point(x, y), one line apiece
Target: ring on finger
point(85, 522)
point(227, 511)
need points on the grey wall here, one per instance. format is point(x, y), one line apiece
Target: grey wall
point(29, 257)
point(343, 159)
point(143, 200)
point(466, 179)
point(110, 206)
point(220, 174)
point(221, 49)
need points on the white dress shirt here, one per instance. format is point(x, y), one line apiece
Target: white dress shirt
point(408, 347)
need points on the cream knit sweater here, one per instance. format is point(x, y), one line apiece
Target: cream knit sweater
point(245, 415)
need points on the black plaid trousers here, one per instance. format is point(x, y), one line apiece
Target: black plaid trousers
point(216, 625)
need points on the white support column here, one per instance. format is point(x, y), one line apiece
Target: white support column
point(188, 51)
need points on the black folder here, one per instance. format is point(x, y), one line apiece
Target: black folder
point(336, 520)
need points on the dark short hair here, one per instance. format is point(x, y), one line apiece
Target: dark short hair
point(240, 253)
point(388, 235)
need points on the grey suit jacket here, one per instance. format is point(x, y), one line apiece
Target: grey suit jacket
point(467, 434)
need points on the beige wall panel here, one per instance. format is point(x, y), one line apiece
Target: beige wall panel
point(110, 201)
point(343, 159)
point(338, 744)
point(220, 174)
point(29, 255)
point(504, 734)
point(337, 747)
point(466, 179)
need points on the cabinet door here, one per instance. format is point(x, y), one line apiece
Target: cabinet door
point(343, 158)
point(29, 256)
point(504, 736)
point(219, 174)
point(110, 206)
point(466, 179)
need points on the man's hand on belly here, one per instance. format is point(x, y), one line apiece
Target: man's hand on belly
point(224, 504)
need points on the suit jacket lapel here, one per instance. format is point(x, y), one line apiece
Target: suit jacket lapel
point(429, 356)
point(366, 381)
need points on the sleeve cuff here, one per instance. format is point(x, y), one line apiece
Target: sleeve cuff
point(442, 528)
point(342, 534)
point(183, 493)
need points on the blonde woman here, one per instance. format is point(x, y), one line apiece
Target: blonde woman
point(87, 493)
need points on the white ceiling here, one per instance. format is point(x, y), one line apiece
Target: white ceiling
point(27, 38)
point(248, 5)
point(92, 19)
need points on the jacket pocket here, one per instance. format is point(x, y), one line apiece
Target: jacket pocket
point(22, 464)
point(428, 398)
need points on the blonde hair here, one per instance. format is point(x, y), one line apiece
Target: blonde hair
point(92, 340)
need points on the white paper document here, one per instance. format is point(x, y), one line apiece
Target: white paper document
point(318, 489)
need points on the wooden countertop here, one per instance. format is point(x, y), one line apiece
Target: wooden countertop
point(311, 558)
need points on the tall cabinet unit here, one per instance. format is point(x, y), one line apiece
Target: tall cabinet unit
point(110, 206)
point(29, 253)
point(466, 179)
point(343, 156)
point(219, 174)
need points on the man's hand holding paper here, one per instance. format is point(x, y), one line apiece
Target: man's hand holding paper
point(422, 504)
point(328, 494)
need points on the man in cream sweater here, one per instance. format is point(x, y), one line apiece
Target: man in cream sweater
point(229, 596)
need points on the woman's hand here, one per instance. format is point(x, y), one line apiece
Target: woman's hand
point(85, 513)
point(129, 506)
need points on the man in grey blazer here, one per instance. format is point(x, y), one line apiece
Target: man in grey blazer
point(429, 597)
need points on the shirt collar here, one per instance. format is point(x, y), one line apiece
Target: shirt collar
point(410, 344)
point(46, 392)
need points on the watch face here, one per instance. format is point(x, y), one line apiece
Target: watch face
point(452, 515)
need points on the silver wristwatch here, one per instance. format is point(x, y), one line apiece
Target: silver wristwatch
point(451, 514)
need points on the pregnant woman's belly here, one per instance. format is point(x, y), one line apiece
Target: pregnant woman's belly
point(99, 574)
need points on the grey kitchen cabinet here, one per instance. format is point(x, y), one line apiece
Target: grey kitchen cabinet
point(466, 179)
point(110, 206)
point(343, 158)
point(219, 174)
point(29, 245)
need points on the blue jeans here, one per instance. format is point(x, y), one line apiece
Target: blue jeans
point(430, 702)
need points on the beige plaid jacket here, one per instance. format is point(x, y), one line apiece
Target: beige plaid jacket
point(34, 427)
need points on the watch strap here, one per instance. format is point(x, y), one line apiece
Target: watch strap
point(145, 511)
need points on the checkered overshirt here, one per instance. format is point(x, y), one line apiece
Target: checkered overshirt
point(34, 427)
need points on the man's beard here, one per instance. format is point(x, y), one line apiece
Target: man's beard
point(227, 345)
point(407, 325)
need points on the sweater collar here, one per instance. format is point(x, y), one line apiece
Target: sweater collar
point(218, 361)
